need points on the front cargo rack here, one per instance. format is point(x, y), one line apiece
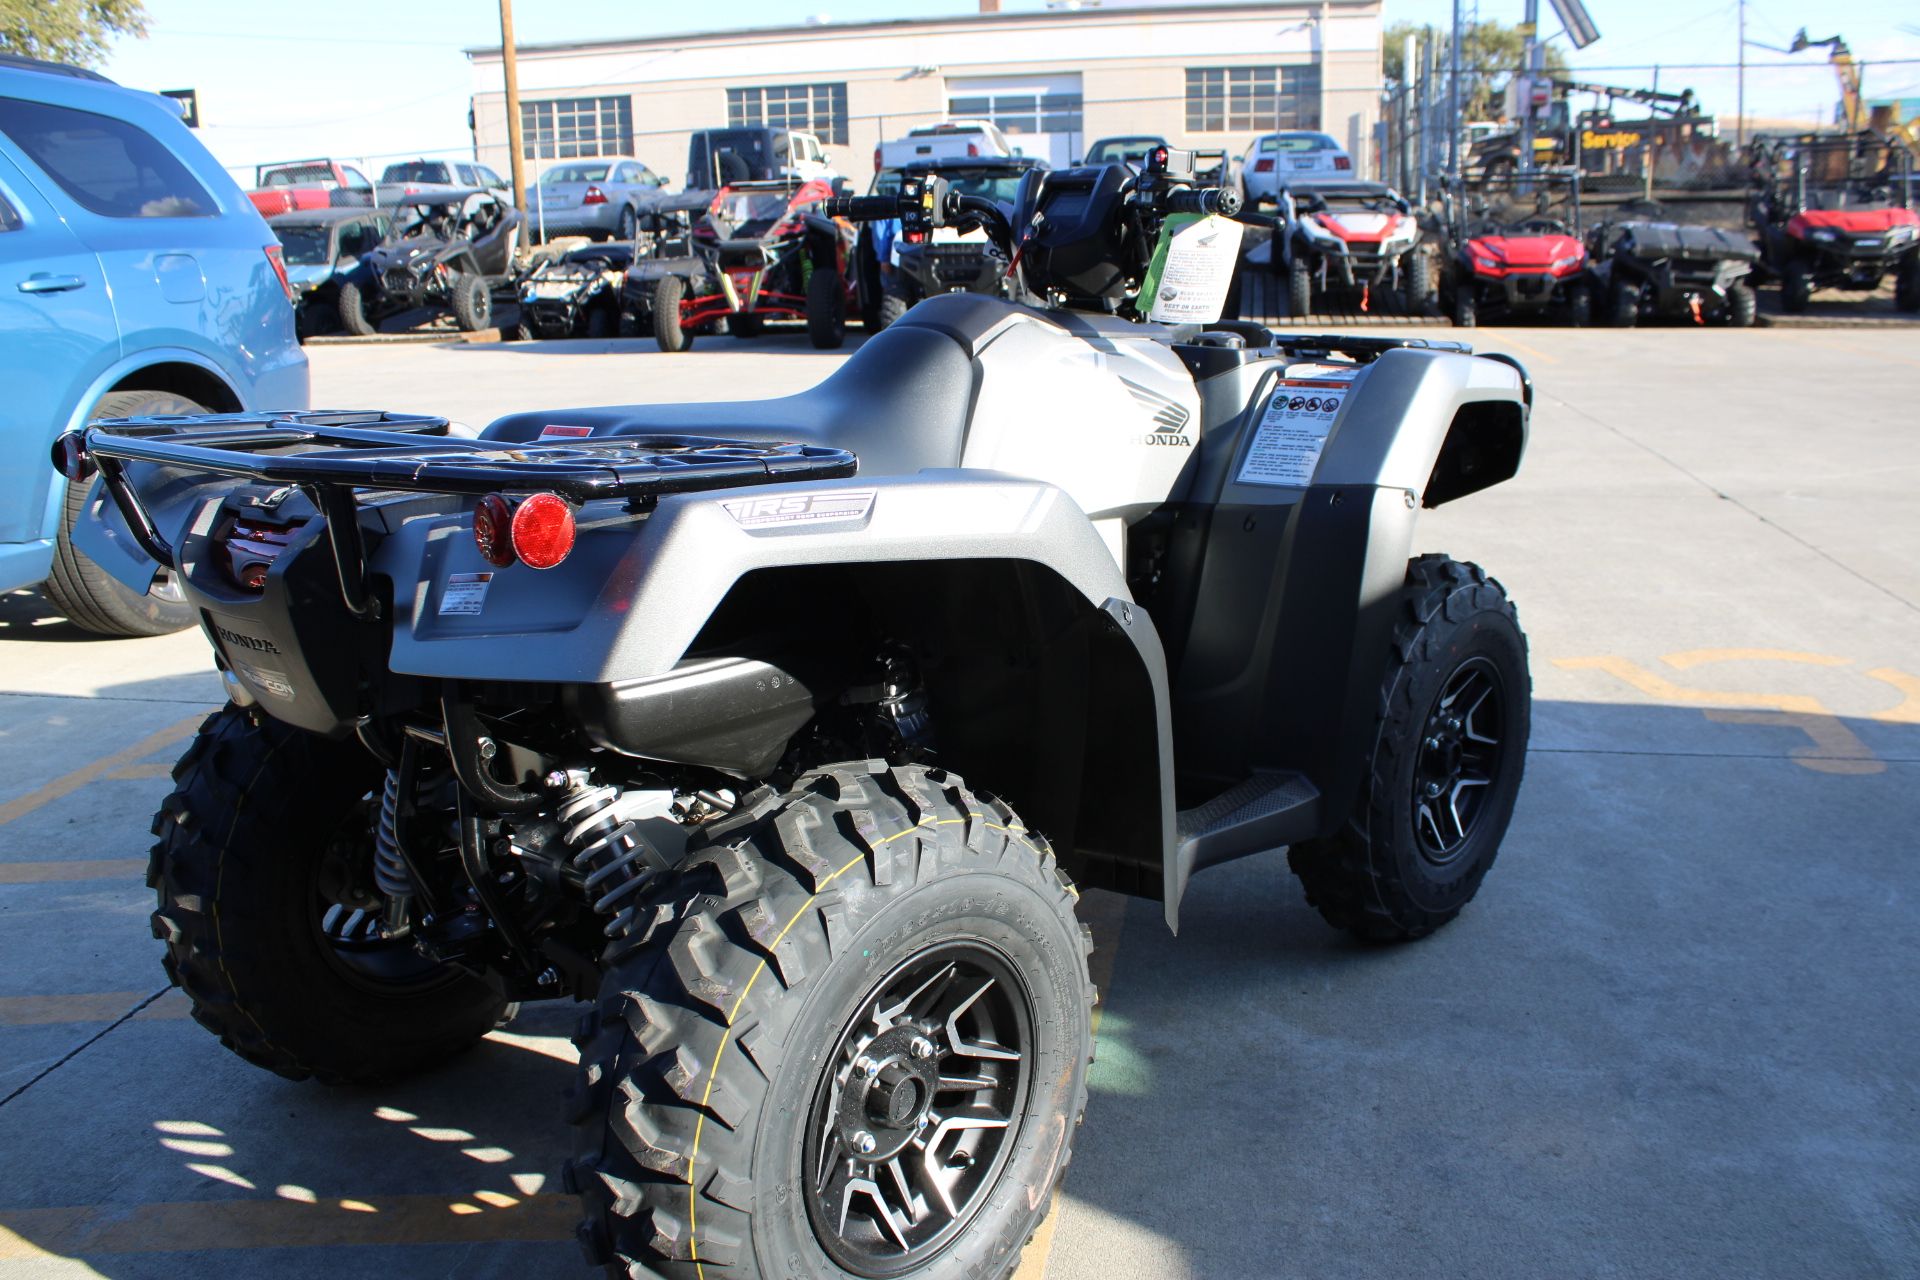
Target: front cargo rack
point(329, 454)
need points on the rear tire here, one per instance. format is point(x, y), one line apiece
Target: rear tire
point(1623, 304)
point(893, 309)
point(1299, 290)
point(719, 1044)
point(1465, 311)
point(472, 301)
point(1796, 288)
point(599, 322)
point(1579, 305)
point(260, 815)
point(1404, 865)
point(91, 598)
point(826, 309)
point(1418, 293)
point(1742, 306)
point(353, 311)
point(668, 293)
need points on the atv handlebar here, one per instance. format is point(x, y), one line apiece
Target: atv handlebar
point(1203, 200)
point(863, 208)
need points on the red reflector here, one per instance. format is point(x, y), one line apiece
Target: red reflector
point(876, 159)
point(973, 149)
point(1263, 166)
point(543, 530)
point(492, 520)
point(594, 196)
point(279, 264)
point(70, 456)
point(1342, 162)
point(1158, 161)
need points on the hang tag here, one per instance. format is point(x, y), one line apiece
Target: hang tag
point(1191, 270)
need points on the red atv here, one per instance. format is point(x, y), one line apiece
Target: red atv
point(1532, 265)
point(1832, 214)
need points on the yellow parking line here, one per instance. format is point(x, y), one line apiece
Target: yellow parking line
point(1503, 340)
point(74, 869)
point(20, 806)
point(78, 1231)
point(87, 1006)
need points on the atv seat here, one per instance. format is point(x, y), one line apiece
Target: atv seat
point(901, 403)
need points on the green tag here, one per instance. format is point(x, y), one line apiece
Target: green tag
point(1150, 285)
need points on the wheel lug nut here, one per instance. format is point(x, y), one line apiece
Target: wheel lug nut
point(863, 1143)
point(1433, 743)
point(921, 1047)
point(1433, 788)
point(867, 1067)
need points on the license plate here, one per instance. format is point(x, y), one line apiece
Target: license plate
point(1305, 163)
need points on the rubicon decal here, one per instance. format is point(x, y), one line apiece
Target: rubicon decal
point(801, 508)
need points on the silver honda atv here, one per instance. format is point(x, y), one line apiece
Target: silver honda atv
point(782, 731)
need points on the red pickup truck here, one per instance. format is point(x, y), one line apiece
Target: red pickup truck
point(291, 185)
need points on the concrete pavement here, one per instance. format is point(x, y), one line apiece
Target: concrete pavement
point(1674, 1035)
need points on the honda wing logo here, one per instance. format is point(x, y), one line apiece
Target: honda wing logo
point(1169, 417)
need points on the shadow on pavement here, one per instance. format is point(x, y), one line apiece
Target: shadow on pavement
point(1673, 1035)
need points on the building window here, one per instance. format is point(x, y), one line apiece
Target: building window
point(563, 128)
point(1021, 112)
point(819, 109)
point(1248, 99)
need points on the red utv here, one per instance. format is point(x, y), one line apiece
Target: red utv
point(1506, 263)
point(1832, 214)
point(1351, 238)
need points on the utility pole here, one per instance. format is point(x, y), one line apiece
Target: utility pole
point(513, 104)
point(1455, 161)
point(1530, 61)
point(1740, 92)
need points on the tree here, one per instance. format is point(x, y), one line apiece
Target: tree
point(73, 31)
point(1490, 54)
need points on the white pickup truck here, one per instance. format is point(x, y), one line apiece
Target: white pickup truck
point(950, 138)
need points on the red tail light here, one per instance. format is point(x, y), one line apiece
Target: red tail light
point(973, 148)
point(1157, 160)
point(543, 530)
point(594, 196)
point(1263, 166)
point(492, 521)
point(876, 159)
point(279, 265)
point(1342, 162)
point(251, 549)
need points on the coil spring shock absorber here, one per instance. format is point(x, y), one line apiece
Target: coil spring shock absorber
point(608, 848)
point(391, 871)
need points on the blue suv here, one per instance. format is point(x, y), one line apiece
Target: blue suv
point(135, 278)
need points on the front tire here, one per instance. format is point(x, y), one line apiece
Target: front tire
point(1444, 767)
point(1465, 310)
point(893, 309)
point(1418, 294)
point(353, 311)
point(1623, 307)
point(1579, 305)
point(91, 598)
point(1906, 285)
point(826, 309)
point(1299, 290)
point(668, 293)
point(1796, 288)
point(1742, 306)
point(472, 303)
point(264, 822)
point(878, 957)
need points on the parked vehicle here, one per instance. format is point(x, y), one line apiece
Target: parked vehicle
point(891, 274)
point(1295, 156)
point(1210, 167)
point(783, 730)
point(290, 185)
point(447, 250)
point(139, 279)
point(576, 295)
point(955, 139)
point(1347, 238)
point(599, 198)
point(321, 248)
point(761, 251)
point(758, 155)
point(1832, 213)
point(411, 176)
point(1507, 263)
point(1650, 268)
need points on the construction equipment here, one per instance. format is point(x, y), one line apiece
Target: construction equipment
point(1674, 144)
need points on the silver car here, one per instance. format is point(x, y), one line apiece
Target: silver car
point(1275, 159)
point(598, 198)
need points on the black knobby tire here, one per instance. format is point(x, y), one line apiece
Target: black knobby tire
point(746, 324)
point(1579, 304)
point(1299, 290)
point(1742, 306)
point(353, 311)
point(893, 309)
point(629, 225)
point(259, 816)
point(1465, 310)
point(826, 309)
point(668, 293)
point(1383, 876)
point(1418, 291)
point(704, 1062)
point(1906, 285)
point(525, 332)
point(472, 302)
point(1623, 304)
point(599, 322)
point(1796, 288)
point(90, 597)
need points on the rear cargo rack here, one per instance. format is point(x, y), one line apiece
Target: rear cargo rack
point(329, 454)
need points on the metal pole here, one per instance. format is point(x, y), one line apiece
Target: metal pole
point(1454, 158)
point(1740, 93)
point(1529, 53)
point(513, 104)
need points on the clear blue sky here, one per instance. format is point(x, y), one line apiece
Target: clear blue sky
point(378, 79)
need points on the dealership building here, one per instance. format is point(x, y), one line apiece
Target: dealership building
point(1202, 74)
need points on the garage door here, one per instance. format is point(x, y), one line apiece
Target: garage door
point(1039, 114)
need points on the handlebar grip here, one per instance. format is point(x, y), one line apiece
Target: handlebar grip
point(1221, 200)
point(862, 208)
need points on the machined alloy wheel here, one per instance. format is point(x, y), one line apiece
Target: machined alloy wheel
point(1459, 757)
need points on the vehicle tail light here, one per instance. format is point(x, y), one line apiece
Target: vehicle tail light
point(594, 196)
point(251, 549)
point(1263, 165)
point(70, 457)
point(492, 522)
point(876, 159)
point(279, 265)
point(543, 530)
point(973, 148)
point(1342, 162)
